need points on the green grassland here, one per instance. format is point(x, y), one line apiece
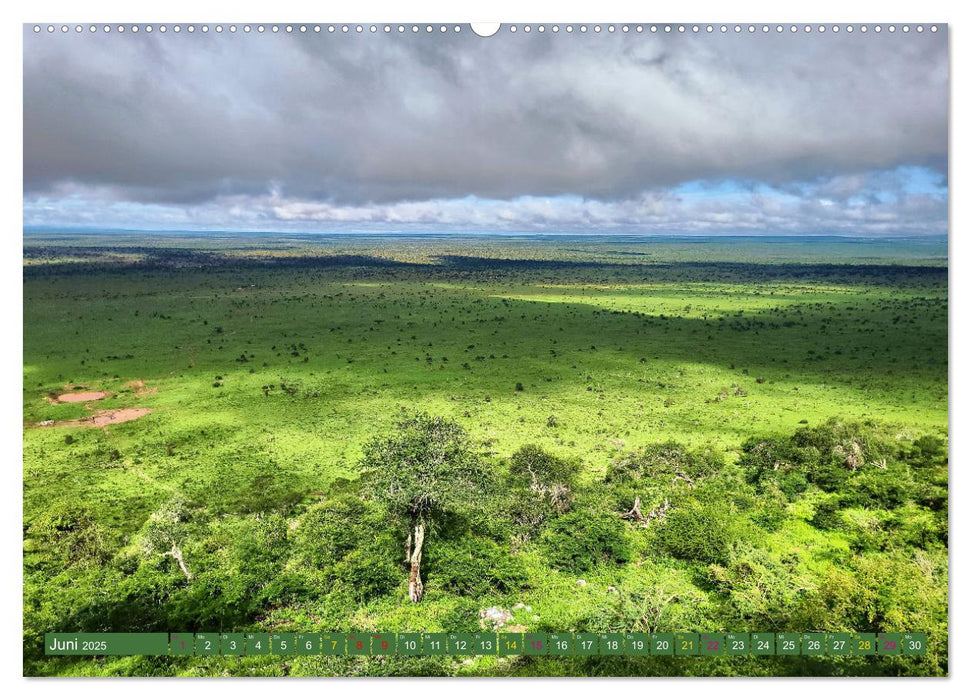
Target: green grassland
point(778, 406)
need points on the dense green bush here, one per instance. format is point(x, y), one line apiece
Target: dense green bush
point(329, 530)
point(368, 572)
point(580, 540)
point(928, 451)
point(701, 532)
point(541, 486)
point(888, 486)
point(347, 542)
point(849, 442)
point(826, 515)
point(658, 472)
point(759, 588)
point(776, 461)
point(463, 616)
point(866, 464)
point(666, 461)
point(473, 566)
point(919, 527)
point(531, 465)
point(770, 510)
point(63, 536)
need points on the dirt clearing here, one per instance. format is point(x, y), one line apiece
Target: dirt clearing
point(99, 419)
point(82, 396)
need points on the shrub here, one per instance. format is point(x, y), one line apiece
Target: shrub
point(367, 573)
point(928, 451)
point(827, 515)
point(700, 532)
point(542, 486)
point(764, 457)
point(330, 530)
point(889, 486)
point(345, 540)
point(830, 456)
point(473, 567)
point(919, 527)
point(846, 444)
point(70, 535)
point(532, 464)
point(760, 587)
point(462, 617)
point(771, 509)
point(579, 540)
point(664, 461)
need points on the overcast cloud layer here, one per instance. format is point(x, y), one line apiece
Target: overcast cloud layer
point(819, 133)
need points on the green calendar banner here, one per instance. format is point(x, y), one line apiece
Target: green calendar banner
point(283, 644)
point(435, 643)
point(813, 644)
point(587, 644)
point(383, 644)
point(763, 643)
point(888, 643)
point(865, 644)
point(359, 644)
point(681, 644)
point(182, 644)
point(611, 644)
point(461, 644)
point(787, 644)
point(913, 644)
point(839, 644)
point(536, 644)
point(486, 643)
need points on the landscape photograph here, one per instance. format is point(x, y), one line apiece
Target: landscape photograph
point(622, 335)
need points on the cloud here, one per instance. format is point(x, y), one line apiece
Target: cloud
point(526, 129)
point(725, 208)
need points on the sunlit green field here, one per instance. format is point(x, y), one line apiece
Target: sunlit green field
point(268, 369)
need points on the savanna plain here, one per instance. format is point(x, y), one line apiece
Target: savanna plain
point(295, 433)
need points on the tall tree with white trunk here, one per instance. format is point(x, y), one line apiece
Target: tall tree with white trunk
point(423, 473)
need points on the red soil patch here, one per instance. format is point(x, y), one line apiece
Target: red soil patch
point(99, 419)
point(121, 415)
point(82, 396)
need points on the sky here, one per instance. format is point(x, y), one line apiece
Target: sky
point(836, 134)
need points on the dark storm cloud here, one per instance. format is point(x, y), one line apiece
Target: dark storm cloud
point(343, 121)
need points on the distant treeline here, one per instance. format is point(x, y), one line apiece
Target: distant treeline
point(87, 260)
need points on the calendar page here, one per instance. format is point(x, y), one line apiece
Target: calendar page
point(526, 349)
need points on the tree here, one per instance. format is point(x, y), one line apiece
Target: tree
point(542, 484)
point(165, 532)
point(424, 473)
